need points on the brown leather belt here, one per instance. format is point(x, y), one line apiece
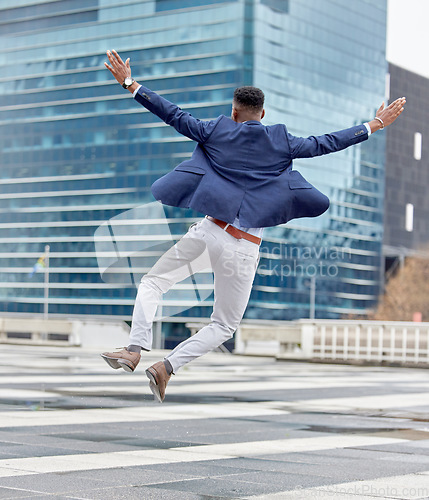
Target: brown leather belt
point(233, 231)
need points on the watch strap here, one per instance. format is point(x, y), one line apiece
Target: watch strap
point(125, 86)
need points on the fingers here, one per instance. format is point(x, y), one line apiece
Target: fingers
point(118, 57)
point(398, 106)
point(391, 113)
point(115, 59)
point(395, 105)
point(398, 103)
point(112, 62)
point(108, 67)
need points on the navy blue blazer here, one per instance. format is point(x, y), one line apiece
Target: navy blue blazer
point(243, 169)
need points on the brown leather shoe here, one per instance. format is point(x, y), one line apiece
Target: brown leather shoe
point(159, 378)
point(122, 359)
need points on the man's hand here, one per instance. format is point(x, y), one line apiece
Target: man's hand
point(387, 115)
point(119, 69)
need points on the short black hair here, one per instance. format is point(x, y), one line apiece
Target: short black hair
point(250, 98)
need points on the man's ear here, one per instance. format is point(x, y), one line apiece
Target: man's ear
point(234, 114)
point(263, 113)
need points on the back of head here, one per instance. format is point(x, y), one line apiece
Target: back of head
point(249, 98)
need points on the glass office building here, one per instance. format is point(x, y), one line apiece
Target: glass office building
point(78, 152)
point(322, 66)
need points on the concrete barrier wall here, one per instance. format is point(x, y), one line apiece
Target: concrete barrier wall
point(107, 334)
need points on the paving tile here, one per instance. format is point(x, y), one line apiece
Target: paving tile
point(222, 487)
point(418, 447)
point(95, 483)
point(139, 475)
point(140, 493)
point(55, 483)
point(13, 472)
point(12, 493)
point(341, 470)
point(316, 493)
point(201, 469)
point(368, 454)
point(37, 451)
point(284, 481)
point(404, 487)
point(320, 430)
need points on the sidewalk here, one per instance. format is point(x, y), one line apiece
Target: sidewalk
point(231, 428)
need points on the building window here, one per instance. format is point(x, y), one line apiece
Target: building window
point(48, 15)
point(278, 5)
point(409, 217)
point(417, 146)
point(163, 5)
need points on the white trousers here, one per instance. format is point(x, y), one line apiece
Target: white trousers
point(204, 246)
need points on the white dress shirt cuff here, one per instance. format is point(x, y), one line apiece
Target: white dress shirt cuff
point(137, 89)
point(366, 125)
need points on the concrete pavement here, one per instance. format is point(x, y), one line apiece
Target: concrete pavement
point(231, 428)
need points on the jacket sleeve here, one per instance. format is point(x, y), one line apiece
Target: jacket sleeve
point(171, 114)
point(301, 147)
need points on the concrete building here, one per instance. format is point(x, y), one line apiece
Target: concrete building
point(406, 205)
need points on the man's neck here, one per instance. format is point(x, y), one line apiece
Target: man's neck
point(248, 118)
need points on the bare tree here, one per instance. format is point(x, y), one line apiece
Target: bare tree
point(407, 292)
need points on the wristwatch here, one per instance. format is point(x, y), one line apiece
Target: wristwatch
point(128, 82)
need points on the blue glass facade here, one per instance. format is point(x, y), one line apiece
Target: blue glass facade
point(77, 151)
point(322, 66)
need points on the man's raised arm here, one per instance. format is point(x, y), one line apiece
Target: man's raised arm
point(309, 147)
point(170, 113)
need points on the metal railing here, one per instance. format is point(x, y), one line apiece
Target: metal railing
point(351, 340)
point(368, 341)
